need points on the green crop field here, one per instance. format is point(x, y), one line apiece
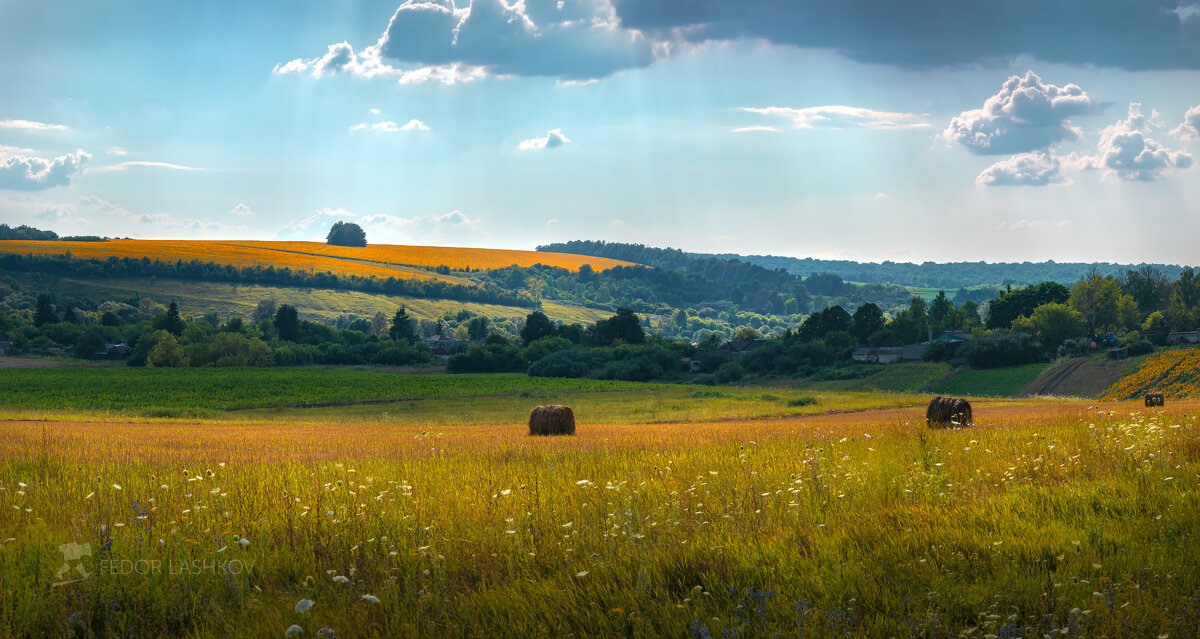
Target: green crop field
point(993, 382)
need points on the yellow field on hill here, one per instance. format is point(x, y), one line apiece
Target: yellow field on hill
point(1174, 373)
point(381, 260)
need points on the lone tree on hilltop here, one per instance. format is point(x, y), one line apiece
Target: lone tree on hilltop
point(346, 234)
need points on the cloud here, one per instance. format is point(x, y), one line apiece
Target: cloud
point(1127, 152)
point(1026, 114)
point(27, 125)
point(841, 117)
point(115, 150)
point(25, 173)
point(140, 164)
point(241, 210)
point(454, 226)
point(1129, 34)
point(341, 58)
point(52, 214)
point(449, 43)
point(90, 214)
point(374, 111)
point(553, 139)
point(753, 129)
point(1189, 129)
point(1029, 169)
point(391, 127)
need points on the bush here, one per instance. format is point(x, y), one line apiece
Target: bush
point(729, 372)
point(571, 362)
point(1141, 347)
point(1001, 348)
point(706, 394)
point(1077, 347)
point(802, 401)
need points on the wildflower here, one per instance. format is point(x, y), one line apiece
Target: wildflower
point(581, 574)
point(294, 631)
point(370, 599)
point(341, 579)
point(117, 487)
point(303, 605)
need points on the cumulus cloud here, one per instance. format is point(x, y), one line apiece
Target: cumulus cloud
point(391, 127)
point(1028, 169)
point(392, 229)
point(1026, 114)
point(241, 210)
point(1189, 129)
point(341, 58)
point(553, 139)
point(451, 43)
point(52, 214)
point(842, 117)
point(1128, 153)
point(1131, 34)
point(28, 125)
point(26, 173)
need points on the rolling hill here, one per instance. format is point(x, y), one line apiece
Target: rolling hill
point(383, 260)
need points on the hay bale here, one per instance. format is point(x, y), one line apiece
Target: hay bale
point(1155, 399)
point(948, 412)
point(552, 420)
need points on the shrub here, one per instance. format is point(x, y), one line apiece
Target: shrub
point(1001, 348)
point(729, 372)
point(571, 362)
point(802, 401)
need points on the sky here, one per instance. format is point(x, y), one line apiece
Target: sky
point(926, 130)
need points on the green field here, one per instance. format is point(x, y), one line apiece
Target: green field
point(198, 298)
point(992, 382)
point(356, 395)
point(896, 378)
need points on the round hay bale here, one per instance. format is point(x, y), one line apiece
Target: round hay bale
point(1155, 399)
point(552, 420)
point(948, 412)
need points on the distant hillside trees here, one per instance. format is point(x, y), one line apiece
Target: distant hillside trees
point(346, 234)
point(1014, 303)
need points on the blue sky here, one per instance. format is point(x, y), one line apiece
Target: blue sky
point(864, 129)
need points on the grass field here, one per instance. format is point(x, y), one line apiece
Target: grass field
point(991, 382)
point(383, 260)
point(226, 299)
point(1060, 518)
point(898, 378)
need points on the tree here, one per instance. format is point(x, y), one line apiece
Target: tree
point(817, 325)
point(478, 328)
point(402, 326)
point(1148, 286)
point(867, 321)
point(746, 334)
point(264, 310)
point(346, 234)
point(379, 323)
point(461, 333)
point(1098, 298)
point(173, 324)
point(166, 352)
point(287, 323)
point(537, 326)
point(45, 311)
point(1052, 324)
point(681, 320)
point(1185, 301)
point(91, 343)
point(1014, 303)
point(624, 326)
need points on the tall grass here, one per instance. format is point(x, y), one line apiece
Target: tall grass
point(1041, 520)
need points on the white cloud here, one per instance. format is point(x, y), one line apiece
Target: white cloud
point(14, 150)
point(882, 196)
point(140, 164)
point(52, 214)
point(552, 221)
point(1189, 129)
point(453, 227)
point(241, 210)
point(26, 173)
point(751, 129)
point(28, 125)
point(1027, 114)
point(1029, 169)
point(391, 127)
point(115, 150)
point(341, 58)
point(91, 214)
point(374, 111)
point(1127, 152)
point(553, 139)
point(842, 117)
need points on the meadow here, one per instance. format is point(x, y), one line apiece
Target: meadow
point(850, 518)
